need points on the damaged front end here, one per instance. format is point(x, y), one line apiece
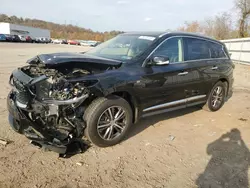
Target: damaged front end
point(46, 106)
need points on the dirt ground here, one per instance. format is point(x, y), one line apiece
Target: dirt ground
point(183, 149)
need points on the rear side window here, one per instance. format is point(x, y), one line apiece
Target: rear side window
point(196, 49)
point(217, 50)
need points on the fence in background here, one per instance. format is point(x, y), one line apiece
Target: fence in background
point(239, 49)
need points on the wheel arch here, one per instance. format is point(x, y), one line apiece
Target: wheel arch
point(133, 102)
point(226, 82)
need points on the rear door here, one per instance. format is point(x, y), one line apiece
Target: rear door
point(218, 64)
point(197, 55)
point(207, 58)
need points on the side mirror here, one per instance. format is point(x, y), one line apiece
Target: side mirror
point(160, 60)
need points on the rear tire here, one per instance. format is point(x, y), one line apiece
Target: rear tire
point(216, 98)
point(104, 129)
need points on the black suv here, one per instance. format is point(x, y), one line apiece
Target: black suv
point(60, 97)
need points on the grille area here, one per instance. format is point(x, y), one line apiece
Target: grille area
point(42, 90)
point(22, 93)
point(23, 97)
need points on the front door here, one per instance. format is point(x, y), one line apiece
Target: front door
point(164, 85)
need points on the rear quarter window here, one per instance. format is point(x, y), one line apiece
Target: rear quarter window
point(217, 50)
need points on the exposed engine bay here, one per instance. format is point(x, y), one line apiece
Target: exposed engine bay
point(53, 101)
point(58, 86)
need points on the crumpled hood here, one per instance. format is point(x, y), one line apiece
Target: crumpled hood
point(61, 58)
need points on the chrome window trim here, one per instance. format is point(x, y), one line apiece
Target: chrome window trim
point(191, 61)
point(178, 102)
point(184, 36)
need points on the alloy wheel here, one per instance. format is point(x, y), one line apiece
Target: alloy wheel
point(217, 97)
point(111, 123)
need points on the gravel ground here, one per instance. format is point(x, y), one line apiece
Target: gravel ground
point(187, 148)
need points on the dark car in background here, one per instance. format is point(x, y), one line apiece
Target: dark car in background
point(45, 40)
point(57, 98)
point(95, 44)
point(38, 40)
point(16, 38)
point(64, 41)
point(9, 38)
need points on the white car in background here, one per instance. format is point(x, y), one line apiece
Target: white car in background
point(22, 38)
point(84, 43)
point(57, 41)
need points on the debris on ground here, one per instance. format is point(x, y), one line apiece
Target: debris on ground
point(171, 137)
point(3, 141)
point(79, 163)
point(243, 119)
point(198, 125)
point(75, 147)
point(147, 144)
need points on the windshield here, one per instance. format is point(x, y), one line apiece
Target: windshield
point(123, 47)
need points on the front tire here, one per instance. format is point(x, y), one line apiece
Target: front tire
point(216, 98)
point(108, 121)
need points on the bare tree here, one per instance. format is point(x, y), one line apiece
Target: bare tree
point(244, 7)
point(193, 27)
point(208, 27)
point(223, 26)
point(219, 27)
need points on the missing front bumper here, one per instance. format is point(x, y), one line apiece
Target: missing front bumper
point(23, 125)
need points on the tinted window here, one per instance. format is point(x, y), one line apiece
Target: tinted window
point(217, 50)
point(196, 49)
point(171, 48)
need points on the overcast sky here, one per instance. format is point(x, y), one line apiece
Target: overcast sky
point(125, 15)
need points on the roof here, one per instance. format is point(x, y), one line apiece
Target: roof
point(200, 35)
point(147, 33)
point(159, 34)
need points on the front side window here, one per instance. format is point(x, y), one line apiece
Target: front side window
point(196, 49)
point(171, 48)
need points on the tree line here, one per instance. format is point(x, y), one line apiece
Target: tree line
point(222, 26)
point(62, 31)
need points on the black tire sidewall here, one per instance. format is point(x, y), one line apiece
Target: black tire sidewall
point(209, 102)
point(91, 129)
